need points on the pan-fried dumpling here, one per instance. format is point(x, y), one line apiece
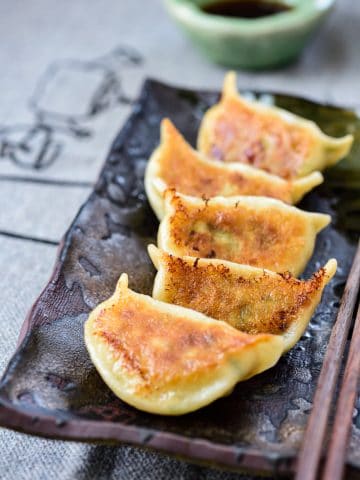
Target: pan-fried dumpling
point(256, 231)
point(168, 359)
point(174, 164)
point(253, 300)
point(266, 137)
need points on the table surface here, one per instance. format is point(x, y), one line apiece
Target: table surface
point(56, 58)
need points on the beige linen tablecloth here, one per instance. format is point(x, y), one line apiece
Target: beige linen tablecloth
point(69, 71)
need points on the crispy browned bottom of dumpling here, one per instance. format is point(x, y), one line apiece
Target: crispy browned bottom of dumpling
point(266, 137)
point(250, 299)
point(256, 231)
point(167, 359)
point(174, 164)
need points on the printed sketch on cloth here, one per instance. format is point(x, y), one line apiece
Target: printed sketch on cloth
point(69, 95)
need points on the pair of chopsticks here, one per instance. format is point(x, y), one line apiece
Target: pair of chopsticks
point(308, 467)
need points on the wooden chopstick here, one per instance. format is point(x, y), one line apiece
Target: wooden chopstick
point(336, 458)
point(314, 438)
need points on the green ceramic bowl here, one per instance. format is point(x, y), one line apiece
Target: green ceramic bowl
point(263, 42)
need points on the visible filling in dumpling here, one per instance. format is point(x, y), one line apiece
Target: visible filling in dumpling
point(236, 130)
point(250, 299)
point(256, 231)
point(174, 164)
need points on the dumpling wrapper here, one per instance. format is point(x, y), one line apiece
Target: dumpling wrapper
point(266, 137)
point(174, 164)
point(253, 300)
point(256, 231)
point(170, 360)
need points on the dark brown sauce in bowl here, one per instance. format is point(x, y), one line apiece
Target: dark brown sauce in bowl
point(245, 8)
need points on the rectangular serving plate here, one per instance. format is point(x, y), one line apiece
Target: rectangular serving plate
point(50, 387)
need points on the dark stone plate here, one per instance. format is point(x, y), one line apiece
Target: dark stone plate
point(50, 387)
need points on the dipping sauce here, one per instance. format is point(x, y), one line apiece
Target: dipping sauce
point(245, 8)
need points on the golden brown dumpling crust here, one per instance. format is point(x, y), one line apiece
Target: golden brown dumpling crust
point(251, 230)
point(174, 164)
point(166, 359)
point(236, 130)
point(160, 348)
point(240, 135)
point(181, 170)
point(251, 300)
